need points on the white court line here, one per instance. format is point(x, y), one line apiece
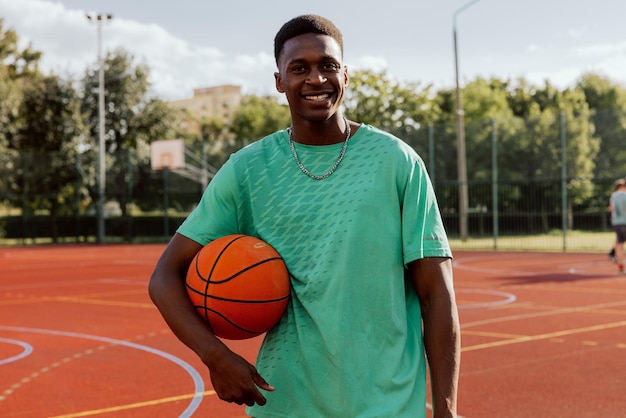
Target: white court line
point(28, 349)
point(197, 379)
point(506, 298)
point(572, 268)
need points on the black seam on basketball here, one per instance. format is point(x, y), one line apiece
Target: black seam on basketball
point(206, 288)
point(239, 327)
point(250, 267)
point(208, 279)
point(246, 300)
point(191, 289)
point(222, 251)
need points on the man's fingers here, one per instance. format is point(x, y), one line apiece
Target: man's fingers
point(260, 382)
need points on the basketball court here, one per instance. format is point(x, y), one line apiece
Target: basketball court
point(544, 335)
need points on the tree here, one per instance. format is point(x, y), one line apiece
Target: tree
point(10, 99)
point(49, 131)
point(484, 101)
point(133, 119)
point(400, 108)
point(532, 152)
point(257, 117)
point(607, 101)
point(15, 64)
point(41, 127)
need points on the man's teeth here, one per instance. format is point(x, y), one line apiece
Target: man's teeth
point(318, 97)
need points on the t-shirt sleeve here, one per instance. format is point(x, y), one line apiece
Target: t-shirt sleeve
point(423, 232)
point(216, 213)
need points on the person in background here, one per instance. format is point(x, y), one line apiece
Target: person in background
point(617, 206)
point(351, 210)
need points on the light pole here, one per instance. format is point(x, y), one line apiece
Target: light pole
point(461, 158)
point(99, 19)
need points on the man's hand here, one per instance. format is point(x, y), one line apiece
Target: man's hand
point(236, 380)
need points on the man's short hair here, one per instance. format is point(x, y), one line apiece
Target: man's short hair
point(620, 183)
point(302, 25)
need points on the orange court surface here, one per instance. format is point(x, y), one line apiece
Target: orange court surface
point(544, 335)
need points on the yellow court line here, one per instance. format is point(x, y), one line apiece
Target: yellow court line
point(22, 301)
point(491, 334)
point(133, 405)
point(74, 299)
point(619, 310)
point(78, 300)
point(544, 336)
point(587, 308)
point(116, 293)
point(103, 302)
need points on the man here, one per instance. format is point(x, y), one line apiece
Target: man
point(353, 214)
point(618, 221)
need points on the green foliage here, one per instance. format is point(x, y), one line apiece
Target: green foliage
point(49, 130)
point(259, 116)
point(131, 114)
point(132, 119)
point(17, 62)
point(10, 99)
point(379, 100)
point(41, 129)
point(607, 102)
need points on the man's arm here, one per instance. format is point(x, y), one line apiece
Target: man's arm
point(233, 378)
point(432, 278)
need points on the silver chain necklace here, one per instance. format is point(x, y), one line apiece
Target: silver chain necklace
point(333, 168)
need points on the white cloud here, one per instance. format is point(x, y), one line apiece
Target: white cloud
point(533, 48)
point(175, 47)
point(601, 50)
point(576, 33)
point(70, 45)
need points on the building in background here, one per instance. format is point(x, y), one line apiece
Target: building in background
point(208, 103)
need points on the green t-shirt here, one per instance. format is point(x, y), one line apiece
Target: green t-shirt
point(350, 343)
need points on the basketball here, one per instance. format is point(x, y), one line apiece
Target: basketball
point(240, 285)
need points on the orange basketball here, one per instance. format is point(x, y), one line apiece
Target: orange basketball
point(240, 285)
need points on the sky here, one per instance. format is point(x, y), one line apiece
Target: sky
point(191, 44)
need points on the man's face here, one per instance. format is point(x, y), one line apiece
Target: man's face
point(312, 76)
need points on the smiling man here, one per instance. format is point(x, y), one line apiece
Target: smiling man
point(351, 210)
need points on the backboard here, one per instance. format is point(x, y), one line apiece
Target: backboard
point(168, 153)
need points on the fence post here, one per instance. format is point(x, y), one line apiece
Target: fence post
point(24, 197)
point(563, 180)
point(494, 182)
point(129, 198)
point(166, 217)
point(431, 153)
point(78, 185)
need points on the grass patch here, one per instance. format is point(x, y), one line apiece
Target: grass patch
point(581, 241)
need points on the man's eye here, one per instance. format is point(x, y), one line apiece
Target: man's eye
point(331, 67)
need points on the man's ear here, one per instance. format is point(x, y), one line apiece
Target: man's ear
point(346, 77)
point(279, 84)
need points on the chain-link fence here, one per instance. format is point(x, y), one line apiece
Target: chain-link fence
point(531, 185)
